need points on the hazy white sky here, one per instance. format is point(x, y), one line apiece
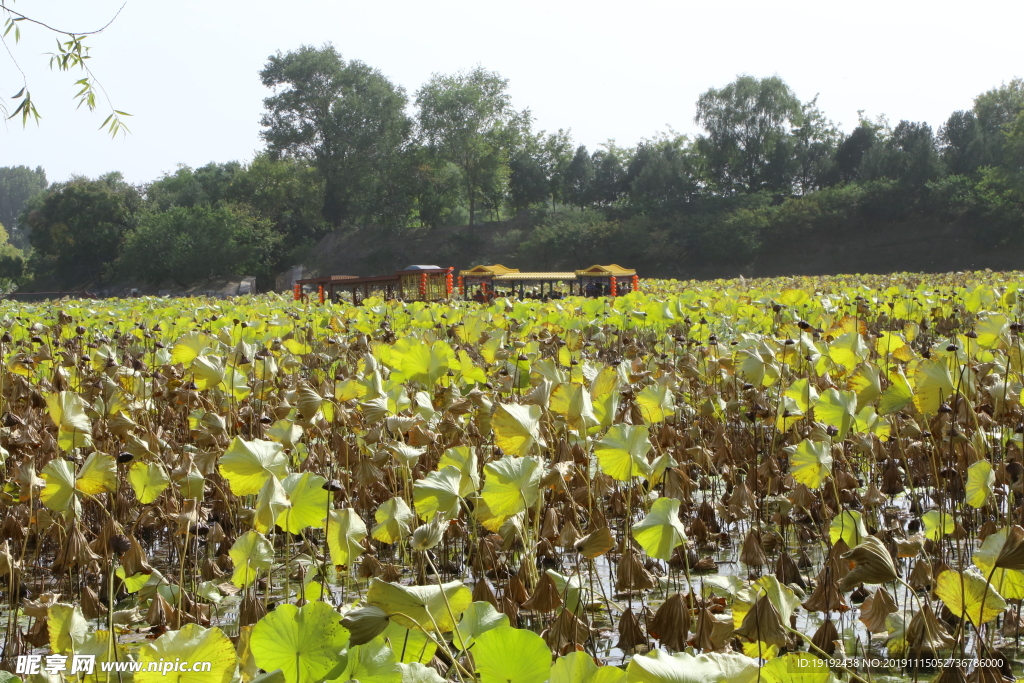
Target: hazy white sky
point(188, 70)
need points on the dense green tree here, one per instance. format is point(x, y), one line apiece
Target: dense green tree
point(661, 174)
point(557, 153)
point(78, 227)
point(18, 185)
point(188, 244)
point(579, 178)
point(188, 187)
point(815, 141)
point(850, 154)
point(350, 121)
point(908, 155)
point(996, 110)
point(609, 176)
point(528, 180)
point(288, 192)
point(962, 144)
point(748, 146)
point(467, 119)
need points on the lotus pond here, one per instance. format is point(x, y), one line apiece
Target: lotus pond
point(796, 479)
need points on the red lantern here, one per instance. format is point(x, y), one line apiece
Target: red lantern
point(423, 286)
point(462, 287)
point(613, 288)
point(298, 292)
point(448, 282)
point(320, 293)
point(636, 284)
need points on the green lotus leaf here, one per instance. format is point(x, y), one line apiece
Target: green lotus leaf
point(661, 530)
point(345, 532)
point(511, 655)
point(306, 644)
point(247, 464)
point(423, 607)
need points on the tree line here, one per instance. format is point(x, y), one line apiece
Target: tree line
point(347, 149)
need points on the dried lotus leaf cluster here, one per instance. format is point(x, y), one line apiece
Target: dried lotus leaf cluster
point(720, 469)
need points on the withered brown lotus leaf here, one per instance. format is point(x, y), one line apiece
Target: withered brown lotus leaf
point(483, 592)
point(921, 576)
point(825, 637)
point(1012, 554)
point(802, 497)
point(210, 570)
point(568, 535)
point(134, 561)
point(875, 609)
point(705, 565)
point(566, 629)
point(369, 567)
point(834, 562)
point(251, 609)
point(925, 633)
point(753, 554)
point(671, 623)
point(596, 543)
point(510, 609)
point(763, 623)
point(987, 529)
point(631, 574)
point(545, 596)
point(391, 573)
point(39, 634)
point(950, 675)
point(910, 547)
point(874, 564)
point(160, 612)
point(787, 572)
point(92, 608)
point(846, 481)
point(872, 498)
point(826, 596)
point(892, 479)
point(631, 633)
point(516, 591)
point(75, 551)
point(549, 529)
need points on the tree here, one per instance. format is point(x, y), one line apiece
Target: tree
point(190, 187)
point(852, 150)
point(189, 244)
point(467, 119)
point(557, 154)
point(609, 176)
point(815, 140)
point(748, 146)
point(661, 174)
point(908, 155)
point(78, 227)
point(962, 145)
point(348, 120)
point(996, 110)
point(528, 181)
point(579, 178)
point(72, 55)
point(18, 185)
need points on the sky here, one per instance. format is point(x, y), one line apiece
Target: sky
point(187, 71)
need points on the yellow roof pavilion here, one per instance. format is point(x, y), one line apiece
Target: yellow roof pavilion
point(606, 271)
point(484, 271)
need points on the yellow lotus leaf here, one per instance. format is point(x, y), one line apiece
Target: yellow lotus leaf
point(969, 595)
